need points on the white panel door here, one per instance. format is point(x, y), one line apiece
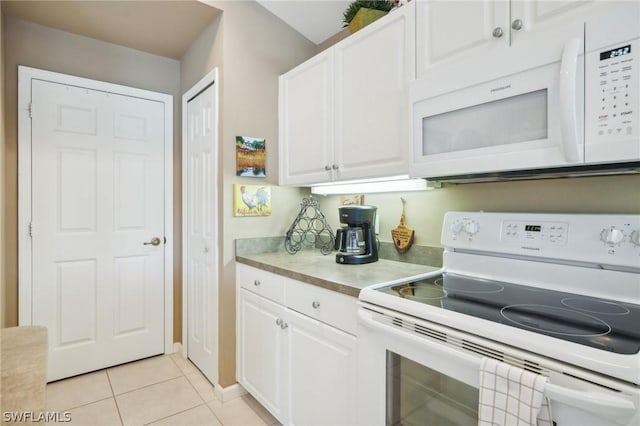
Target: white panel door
point(202, 239)
point(98, 196)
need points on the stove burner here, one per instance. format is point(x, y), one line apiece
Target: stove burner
point(556, 321)
point(461, 285)
point(418, 292)
point(594, 306)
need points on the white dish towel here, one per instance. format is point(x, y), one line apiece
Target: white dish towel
point(511, 396)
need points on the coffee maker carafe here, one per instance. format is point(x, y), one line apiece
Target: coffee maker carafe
point(356, 241)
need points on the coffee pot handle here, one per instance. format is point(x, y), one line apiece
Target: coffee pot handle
point(338, 241)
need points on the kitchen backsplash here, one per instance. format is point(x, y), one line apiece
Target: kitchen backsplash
point(422, 255)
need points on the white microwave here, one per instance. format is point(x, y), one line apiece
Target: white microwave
point(563, 103)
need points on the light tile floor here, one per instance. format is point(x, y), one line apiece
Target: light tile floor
point(163, 390)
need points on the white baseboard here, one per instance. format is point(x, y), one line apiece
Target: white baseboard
point(230, 392)
point(177, 347)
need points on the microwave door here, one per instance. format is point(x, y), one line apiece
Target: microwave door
point(528, 120)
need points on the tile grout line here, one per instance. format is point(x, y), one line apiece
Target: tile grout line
point(206, 404)
point(114, 397)
point(174, 414)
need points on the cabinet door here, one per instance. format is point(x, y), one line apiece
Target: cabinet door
point(552, 24)
point(460, 33)
point(373, 69)
point(261, 343)
point(306, 122)
point(321, 373)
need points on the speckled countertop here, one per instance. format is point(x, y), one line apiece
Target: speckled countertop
point(312, 267)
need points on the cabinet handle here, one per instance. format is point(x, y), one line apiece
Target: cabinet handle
point(283, 325)
point(279, 322)
point(517, 24)
point(327, 167)
point(315, 304)
point(497, 32)
point(335, 167)
point(256, 283)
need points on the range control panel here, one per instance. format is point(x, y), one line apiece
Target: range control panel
point(592, 238)
point(532, 231)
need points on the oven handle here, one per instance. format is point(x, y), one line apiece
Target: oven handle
point(569, 100)
point(599, 403)
point(594, 402)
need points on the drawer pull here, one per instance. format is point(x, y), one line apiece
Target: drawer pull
point(315, 304)
point(256, 283)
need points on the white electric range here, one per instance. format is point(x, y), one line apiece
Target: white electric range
point(556, 294)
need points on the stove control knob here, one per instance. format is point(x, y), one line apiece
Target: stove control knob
point(635, 237)
point(472, 228)
point(456, 227)
point(612, 235)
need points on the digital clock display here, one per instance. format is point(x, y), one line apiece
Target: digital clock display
point(533, 228)
point(614, 53)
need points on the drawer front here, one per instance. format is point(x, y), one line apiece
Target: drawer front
point(330, 307)
point(258, 281)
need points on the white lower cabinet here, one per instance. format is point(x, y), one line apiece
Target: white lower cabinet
point(321, 372)
point(300, 369)
point(261, 344)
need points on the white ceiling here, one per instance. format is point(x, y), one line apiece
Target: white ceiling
point(317, 20)
point(165, 28)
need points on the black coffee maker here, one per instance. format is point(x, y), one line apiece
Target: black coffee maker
point(356, 242)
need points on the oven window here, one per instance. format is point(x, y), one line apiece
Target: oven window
point(418, 395)
point(515, 119)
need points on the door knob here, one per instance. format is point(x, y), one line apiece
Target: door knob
point(155, 241)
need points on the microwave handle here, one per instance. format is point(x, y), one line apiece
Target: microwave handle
point(569, 100)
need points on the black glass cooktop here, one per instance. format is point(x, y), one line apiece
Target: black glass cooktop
point(599, 323)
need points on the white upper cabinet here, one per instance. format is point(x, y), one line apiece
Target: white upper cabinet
point(344, 113)
point(462, 43)
point(306, 121)
point(461, 30)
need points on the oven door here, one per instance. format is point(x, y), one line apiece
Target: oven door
point(413, 372)
point(531, 119)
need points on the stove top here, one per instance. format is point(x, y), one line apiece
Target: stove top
point(598, 323)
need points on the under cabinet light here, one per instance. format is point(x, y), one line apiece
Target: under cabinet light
point(372, 186)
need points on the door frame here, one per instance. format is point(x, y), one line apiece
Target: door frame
point(211, 78)
point(25, 283)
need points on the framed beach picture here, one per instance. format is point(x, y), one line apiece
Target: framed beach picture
point(250, 157)
point(251, 200)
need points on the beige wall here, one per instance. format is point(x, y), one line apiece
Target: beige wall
point(252, 48)
point(42, 47)
point(425, 210)
point(2, 177)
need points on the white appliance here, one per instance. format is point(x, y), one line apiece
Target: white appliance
point(568, 103)
point(555, 294)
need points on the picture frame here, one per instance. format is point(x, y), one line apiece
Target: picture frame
point(251, 200)
point(250, 157)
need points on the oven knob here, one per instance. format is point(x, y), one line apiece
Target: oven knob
point(456, 227)
point(612, 235)
point(635, 238)
point(472, 228)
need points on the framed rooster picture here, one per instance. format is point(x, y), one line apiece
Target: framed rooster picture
point(251, 200)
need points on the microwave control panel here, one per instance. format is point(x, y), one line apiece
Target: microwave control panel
point(612, 100)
